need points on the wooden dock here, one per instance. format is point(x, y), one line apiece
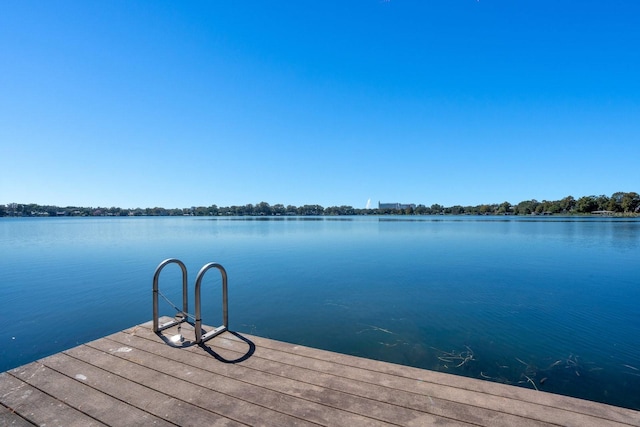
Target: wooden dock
point(137, 378)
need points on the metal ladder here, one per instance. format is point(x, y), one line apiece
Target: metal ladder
point(182, 316)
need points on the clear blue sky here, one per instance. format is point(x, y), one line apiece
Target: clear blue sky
point(177, 104)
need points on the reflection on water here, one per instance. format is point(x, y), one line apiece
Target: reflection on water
point(546, 303)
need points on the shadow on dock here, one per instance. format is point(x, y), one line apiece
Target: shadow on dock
point(182, 335)
point(247, 355)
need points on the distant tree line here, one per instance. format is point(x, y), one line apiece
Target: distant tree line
point(619, 203)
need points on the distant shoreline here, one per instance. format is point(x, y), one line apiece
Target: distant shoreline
point(618, 205)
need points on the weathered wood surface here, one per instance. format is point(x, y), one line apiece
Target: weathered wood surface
point(135, 377)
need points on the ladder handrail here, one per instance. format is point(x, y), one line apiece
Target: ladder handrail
point(200, 338)
point(185, 303)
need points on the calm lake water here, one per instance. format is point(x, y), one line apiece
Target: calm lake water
point(551, 302)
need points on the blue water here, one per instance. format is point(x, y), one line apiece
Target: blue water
point(544, 302)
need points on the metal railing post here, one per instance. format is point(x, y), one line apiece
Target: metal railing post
point(200, 338)
point(185, 298)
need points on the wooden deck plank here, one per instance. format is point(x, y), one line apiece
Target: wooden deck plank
point(135, 378)
point(76, 394)
point(133, 368)
point(330, 377)
point(471, 396)
point(396, 375)
point(232, 380)
point(11, 419)
point(298, 390)
point(171, 408)
point(38, 407)
point(522, 402)
point(381, 395)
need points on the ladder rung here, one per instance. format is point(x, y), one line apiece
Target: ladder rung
point(213, 333)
